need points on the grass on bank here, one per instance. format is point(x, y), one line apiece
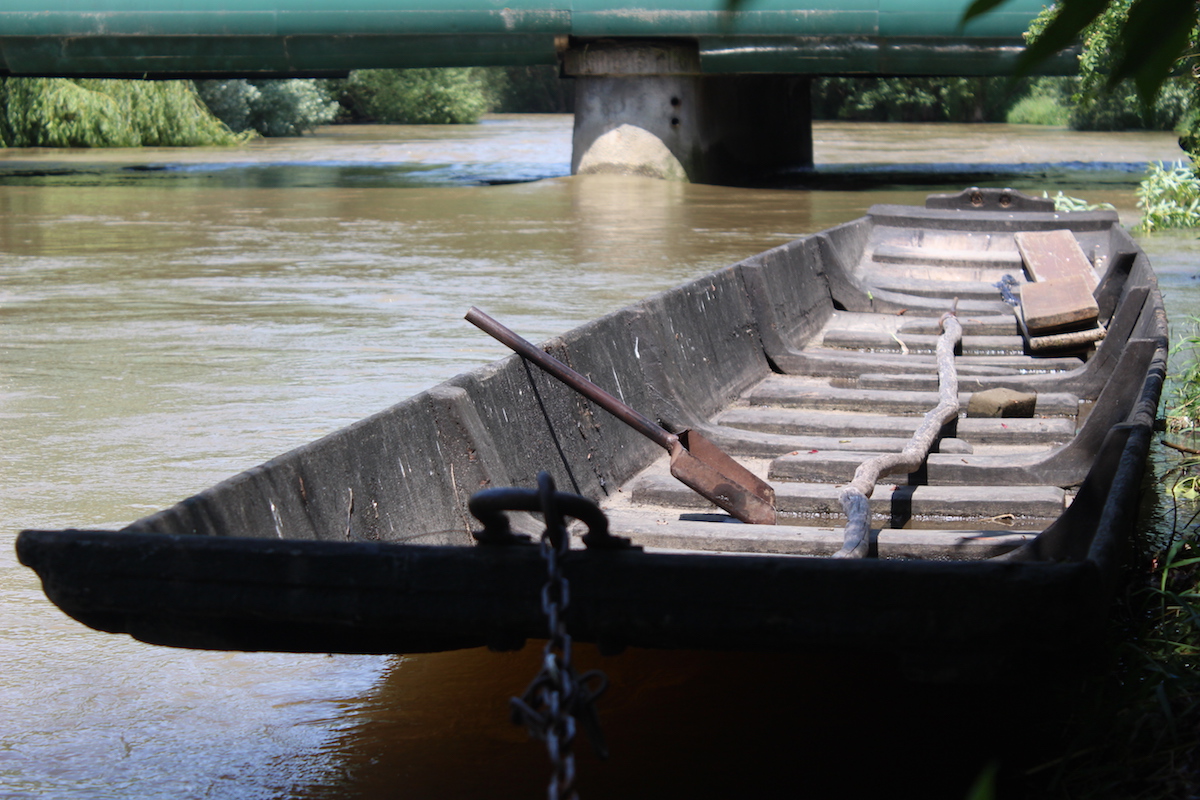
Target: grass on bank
point(1136, 730)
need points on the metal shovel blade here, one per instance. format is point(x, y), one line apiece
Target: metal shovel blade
point(709, 471)
point(695, 461)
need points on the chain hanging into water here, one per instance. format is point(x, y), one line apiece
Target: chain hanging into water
point(554, 699)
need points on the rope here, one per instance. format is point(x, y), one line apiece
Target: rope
point(856, 541)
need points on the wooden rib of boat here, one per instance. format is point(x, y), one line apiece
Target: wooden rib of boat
point(801, 362)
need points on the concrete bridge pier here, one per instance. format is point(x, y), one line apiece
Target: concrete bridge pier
point(644, 108)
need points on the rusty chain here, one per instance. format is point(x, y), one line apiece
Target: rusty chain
point(557, 696)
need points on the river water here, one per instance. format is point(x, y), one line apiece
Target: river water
point(171, 317)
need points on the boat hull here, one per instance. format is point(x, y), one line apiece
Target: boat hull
point(1000, 552)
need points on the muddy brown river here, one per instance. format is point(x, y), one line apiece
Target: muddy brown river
point(172, 317)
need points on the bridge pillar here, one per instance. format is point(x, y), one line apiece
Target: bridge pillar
point(644, 108)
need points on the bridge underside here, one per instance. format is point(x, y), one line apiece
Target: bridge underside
point(651, 108)
point(214, 56)
point(681, 89)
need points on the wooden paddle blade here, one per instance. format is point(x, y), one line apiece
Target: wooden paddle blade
point(709, 471)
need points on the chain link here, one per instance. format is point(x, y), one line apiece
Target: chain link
point(557, 695)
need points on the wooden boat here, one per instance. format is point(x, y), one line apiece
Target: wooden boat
point(1000, 551)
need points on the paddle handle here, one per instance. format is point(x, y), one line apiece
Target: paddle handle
point(530, 352)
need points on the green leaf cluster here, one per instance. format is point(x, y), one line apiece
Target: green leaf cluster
point(1169, 197)
point(1183, 402)
point(1092, 101)
point(911, 99)
point(1046, 104)
point(1144, 40)
point(62, 112)
point(419, 96)
point(288, 107)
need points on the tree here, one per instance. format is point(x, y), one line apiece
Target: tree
point(418, 96)
point(1156, 39)
point(62, 112)
point(287, 107)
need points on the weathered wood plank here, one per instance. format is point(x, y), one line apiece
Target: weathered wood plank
point(891, 501)
point(783, 390)
point(1057, 305)
point(760, 444)
point(918, 343)
point(792, 422)
point(822, 362)
point(1050, 255)
point(946, 470)
point(669, 531)
point(908, 254)
point(888, 281)
point(995, 325)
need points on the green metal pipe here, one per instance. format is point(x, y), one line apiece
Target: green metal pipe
point(165, 37)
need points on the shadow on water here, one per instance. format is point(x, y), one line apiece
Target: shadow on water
point(236, 175)
point(683, 724)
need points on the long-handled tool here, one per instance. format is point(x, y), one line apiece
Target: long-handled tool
point(695, 461)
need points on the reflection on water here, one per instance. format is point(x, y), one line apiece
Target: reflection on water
point(170, 328)
point(678, 724)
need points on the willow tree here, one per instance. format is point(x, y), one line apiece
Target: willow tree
point(89, 112)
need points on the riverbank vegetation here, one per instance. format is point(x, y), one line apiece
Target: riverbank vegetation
point(1169, 197)
point(1135, 732)
point(57, 112)
point(61, 112)
point(1113, 92)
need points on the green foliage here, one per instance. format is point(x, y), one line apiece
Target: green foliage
point(1149, 45)
point(1136, 736)
point(1097, 102)
point(911, 99)
point(1151, 704)
point(1104, 105)
point(1064, 202)
point(1136, 731)
point(271, 107)
point(1183, 401)
point(1044, 105)
point(61, 112)
point(1169, 198)
point(419, 96)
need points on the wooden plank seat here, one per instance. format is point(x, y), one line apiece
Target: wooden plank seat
point(796, 392)
point(831, 362)
point(714, 534)
point(892, 253)
point(925, 286)
point(894, 504)
point(844, 425)
point(917, 343)
point(989, 325)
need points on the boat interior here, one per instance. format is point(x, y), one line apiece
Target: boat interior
point(800, 362)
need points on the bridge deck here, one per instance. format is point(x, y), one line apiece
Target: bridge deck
point(293, 37)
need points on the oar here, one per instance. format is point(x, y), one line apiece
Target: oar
point(695, 461)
